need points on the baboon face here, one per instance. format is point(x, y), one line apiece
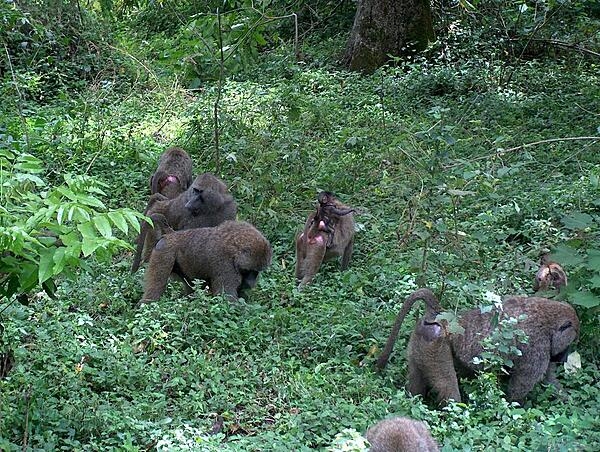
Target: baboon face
point(208, 195)
point(204, 201)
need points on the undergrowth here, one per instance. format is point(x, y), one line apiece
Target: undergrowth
point(461, 177)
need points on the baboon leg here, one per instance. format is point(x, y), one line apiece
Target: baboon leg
point(300, 256)
point(187, 287)
point(347, 254)
point(524, 376)
point(416, 383)
point(227, 282)
point(158, 272)
point(315, 252)
point(442, 376)
point(550, 376)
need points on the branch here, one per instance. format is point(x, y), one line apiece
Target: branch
point(535, 143)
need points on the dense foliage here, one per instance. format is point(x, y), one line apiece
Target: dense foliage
point(464, 163)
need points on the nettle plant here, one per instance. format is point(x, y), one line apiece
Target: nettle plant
point(47, 231)
point(503, 341)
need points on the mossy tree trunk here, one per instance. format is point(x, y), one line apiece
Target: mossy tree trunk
point(387, 27)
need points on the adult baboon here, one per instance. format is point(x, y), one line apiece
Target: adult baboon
point(206, 203)
point(400, 434)
point(228, 257)
point(550, 275)
point(174, 173)
point(435, 355)
point(328, 233)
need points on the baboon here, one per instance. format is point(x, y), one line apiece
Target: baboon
point(228, 257)
point(174, 173)
point(328, 233)
point(549, 276)
point(435, 355)
point(206, 203)
point(400, 434)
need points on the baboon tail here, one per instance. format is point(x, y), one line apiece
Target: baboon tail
point(433, 307)
point(155, 183)
point(139, 247)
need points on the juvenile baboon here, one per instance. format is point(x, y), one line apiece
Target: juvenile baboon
point(328, 233)
point(174, 173)
point(228, 257)
point(400, 434)
point(549, 276)
point(206, 203)
point(435, 354)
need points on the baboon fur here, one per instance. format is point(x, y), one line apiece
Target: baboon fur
point(400, 434)
point(174, 173)
point(550, 275)
point(228, 257)
point(435, 355)
point(328, 233)
point(206, 203)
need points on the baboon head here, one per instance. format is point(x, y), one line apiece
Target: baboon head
point(208, 195)
point(550, 275)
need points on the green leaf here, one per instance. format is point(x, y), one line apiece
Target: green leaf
point(46, 264)
point(103, 226)
point(87, 230)
point(577, 220)
point(119, 220)
point(567, 256)
point(59, 260)
point(585, 298)
point(133, 218)
point(89, 245)
point(595, 281)
point(593, 260)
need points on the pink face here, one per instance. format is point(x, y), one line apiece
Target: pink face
point(322, 226)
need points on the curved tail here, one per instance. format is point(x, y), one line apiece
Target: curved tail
point(432, 309)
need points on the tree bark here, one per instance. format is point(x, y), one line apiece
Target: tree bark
point(387, 27)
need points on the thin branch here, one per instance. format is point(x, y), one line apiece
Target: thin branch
point(21, 101)
point(566, 45)
point(501, 152)
point(219, 89)
point(138, 62)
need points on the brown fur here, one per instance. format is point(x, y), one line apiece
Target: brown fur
point(206, 203)
point(328, 233)
point(435, 355)
point(549, 276)
point(174, 173)
point(400, 434)
point(228, 257)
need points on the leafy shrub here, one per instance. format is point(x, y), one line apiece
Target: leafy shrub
point(47, 231)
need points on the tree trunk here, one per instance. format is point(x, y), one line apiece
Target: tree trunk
point(387, 27)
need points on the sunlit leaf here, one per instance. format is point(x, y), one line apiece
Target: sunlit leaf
point(103, 226)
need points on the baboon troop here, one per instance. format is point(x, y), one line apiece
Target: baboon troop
point(436, 355)
point(549, 276)
point(328, 233)
point(207, 202)
point(174, 173)
point(228, 257)
point(400, 434)
point(193, 235)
